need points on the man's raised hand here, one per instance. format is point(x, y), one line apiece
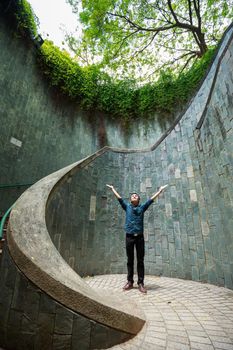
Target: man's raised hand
point(113, 190)
point(162, 188)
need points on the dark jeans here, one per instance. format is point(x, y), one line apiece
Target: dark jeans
point(139, 243)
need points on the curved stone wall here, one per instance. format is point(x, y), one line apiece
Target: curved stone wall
point(31, 319)
point(37, 273)
point(189, 230)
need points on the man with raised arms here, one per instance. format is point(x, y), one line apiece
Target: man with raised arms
point(134, 234)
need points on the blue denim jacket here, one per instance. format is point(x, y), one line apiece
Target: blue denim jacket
point(134, 215)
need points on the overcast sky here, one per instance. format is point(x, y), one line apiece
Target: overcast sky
point(53, 15)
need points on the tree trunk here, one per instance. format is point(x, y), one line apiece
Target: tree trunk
point(202, 43)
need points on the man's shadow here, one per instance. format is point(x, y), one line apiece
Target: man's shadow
point(153, 286)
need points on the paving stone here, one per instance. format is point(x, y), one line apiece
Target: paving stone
point(202, 340)
point(178, 339)
point(217, 333)
point(223, 346)
point(200, 346)
point(150, 346)
point(171, 345)
point(156, 341)
point(217, 338)
point(154, 333)
point(176, 332)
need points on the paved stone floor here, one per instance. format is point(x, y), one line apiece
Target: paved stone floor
point(180, 315)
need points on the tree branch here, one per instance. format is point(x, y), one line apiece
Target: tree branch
point(123, 40)
point(178, 24)
point(197, 10)
point(172, 11)
point(187, 62)
point(170, 62)
point(181, 17)
point(145, 47)
point(190, 12)
point(173, 48)
point(135, 25)
point(163, 11)
point(196, 38)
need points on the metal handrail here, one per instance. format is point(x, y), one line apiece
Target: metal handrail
point(2, 223)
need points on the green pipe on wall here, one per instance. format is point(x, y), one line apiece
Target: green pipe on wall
point(3, 221)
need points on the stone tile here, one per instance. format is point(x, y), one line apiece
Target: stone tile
point(157, 329)
point(202, 340)
point(220, 339)
point(171, 345)
point(197, 333)
point(162, 335)
point(156, 341)
point(150, 346)
point(176, 332)
point(63, 322)
point(217, 333)
point(178, 339)
point(223, 346)
point(81, 334)
point(61, 342)
point(198, 346)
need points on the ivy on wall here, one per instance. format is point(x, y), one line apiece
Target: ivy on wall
point(20, 16)
point(123, 98)
point(94, 89)
point(26, 18)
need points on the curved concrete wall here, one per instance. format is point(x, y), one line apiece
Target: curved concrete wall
point(189, 230)
point(31, 319)
point(42, 276)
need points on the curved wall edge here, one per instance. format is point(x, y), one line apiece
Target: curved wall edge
point(46, 268)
